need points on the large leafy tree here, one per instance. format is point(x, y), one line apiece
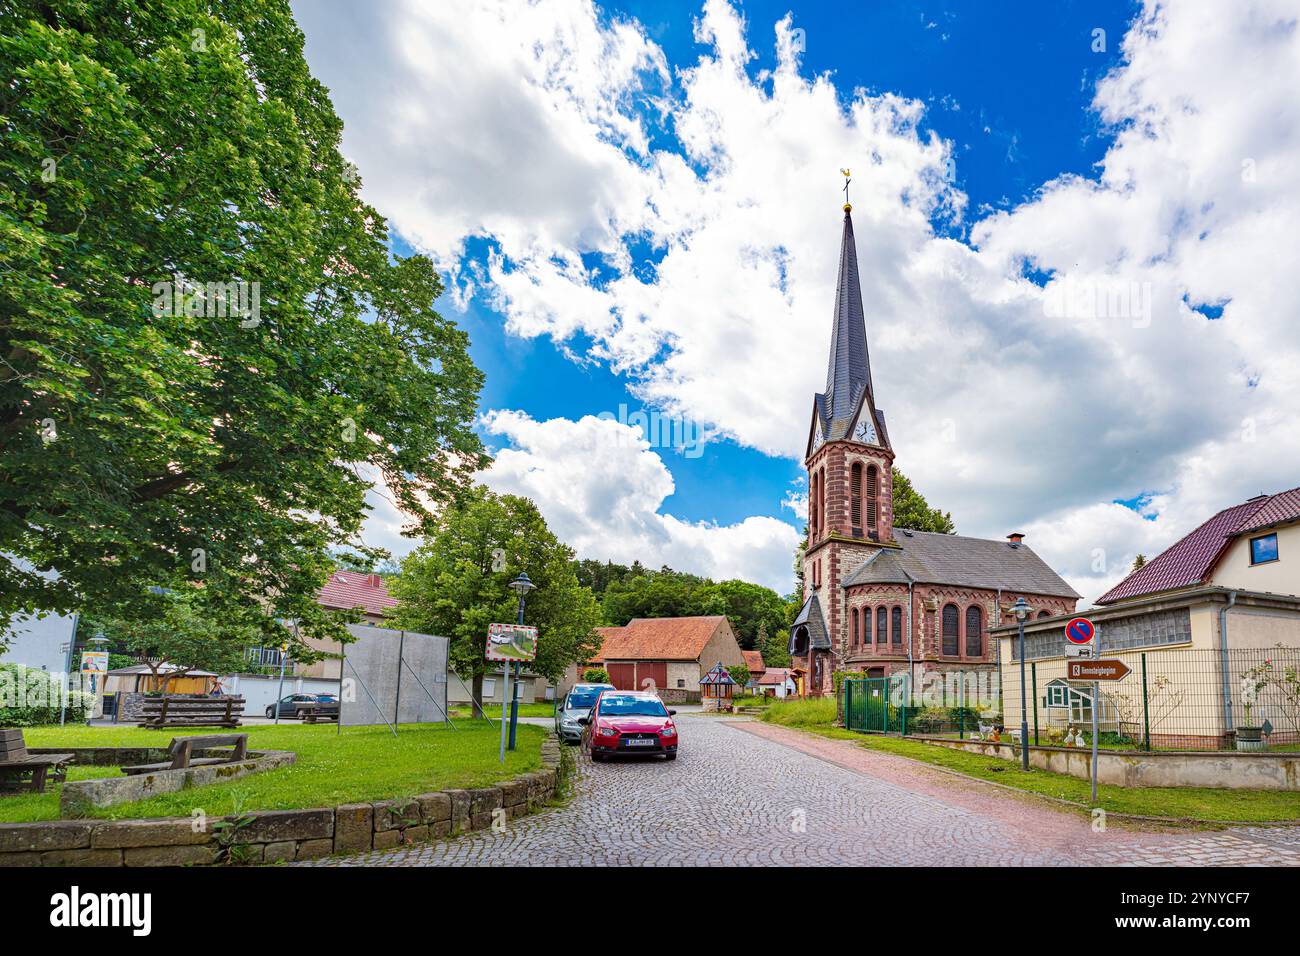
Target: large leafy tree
point(207, 349)
point(457, 582)
point(911, 510)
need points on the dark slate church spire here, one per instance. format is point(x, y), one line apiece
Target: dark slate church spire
point(849, 371)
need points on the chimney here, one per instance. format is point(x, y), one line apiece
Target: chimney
point(374, 580)
point(1014, 538)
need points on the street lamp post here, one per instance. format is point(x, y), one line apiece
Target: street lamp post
point(521, 586)
point(1021, 611)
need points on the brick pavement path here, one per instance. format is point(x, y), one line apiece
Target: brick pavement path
point(751, 794)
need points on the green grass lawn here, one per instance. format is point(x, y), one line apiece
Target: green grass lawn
point(359, 764)
point(1192, 803)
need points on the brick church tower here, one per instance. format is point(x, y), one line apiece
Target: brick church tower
point(850, 479)
point(881, 600)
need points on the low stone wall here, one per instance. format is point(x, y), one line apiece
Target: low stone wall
point(80, 797)
point(678, 695)
point(273, 836)
point(1225, 770)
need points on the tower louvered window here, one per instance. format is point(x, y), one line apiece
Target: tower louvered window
point(855, 495)
point(873, 487)
point(951, 629)
point(974, 632)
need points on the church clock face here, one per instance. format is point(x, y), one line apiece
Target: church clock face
point(817, 437)
point(865, 432)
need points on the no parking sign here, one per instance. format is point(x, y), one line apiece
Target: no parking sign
point(1080, 631)
point(1081, 634)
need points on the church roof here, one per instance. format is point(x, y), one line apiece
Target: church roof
point(926, 557)
point(848, 370)
point(810, 615)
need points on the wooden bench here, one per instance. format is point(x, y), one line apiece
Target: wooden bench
point(182, 751)
point(21, 771)
point(169, 710)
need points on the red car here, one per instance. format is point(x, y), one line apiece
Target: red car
point(629, 722)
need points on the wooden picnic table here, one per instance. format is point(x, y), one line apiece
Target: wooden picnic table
point(22, 771)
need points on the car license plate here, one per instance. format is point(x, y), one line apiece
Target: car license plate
point(640, 743)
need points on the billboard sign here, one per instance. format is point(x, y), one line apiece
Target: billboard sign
point(511, 642)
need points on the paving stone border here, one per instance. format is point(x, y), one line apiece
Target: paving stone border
point(272, 836)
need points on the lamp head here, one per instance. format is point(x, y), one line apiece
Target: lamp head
point(1020, 609)
point(521, 585)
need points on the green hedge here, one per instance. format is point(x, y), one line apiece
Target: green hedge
point(30, 697)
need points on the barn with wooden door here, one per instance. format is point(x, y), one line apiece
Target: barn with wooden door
point(668, 654)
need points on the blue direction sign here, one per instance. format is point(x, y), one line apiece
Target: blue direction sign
point(1080, 631)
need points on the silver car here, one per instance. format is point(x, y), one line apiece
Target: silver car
point(577, 703)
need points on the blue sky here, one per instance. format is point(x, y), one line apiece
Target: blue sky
point(1071, 221)
point(1015, 127)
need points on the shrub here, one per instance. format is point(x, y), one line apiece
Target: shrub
point(816, 711)
point(30, 697)
point(595, 675)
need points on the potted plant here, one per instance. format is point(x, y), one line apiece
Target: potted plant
point(1250, 736)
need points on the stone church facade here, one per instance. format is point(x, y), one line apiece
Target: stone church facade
point(878, 599)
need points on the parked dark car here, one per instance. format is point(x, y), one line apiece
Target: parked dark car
point(629, 722)
point(288, 702)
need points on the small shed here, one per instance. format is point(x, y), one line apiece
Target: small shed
point(716, 688)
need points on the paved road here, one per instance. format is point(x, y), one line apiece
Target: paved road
point(749, 794)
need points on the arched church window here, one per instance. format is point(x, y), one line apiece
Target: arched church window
point(882, 624)
point(951, 629)
point(974, 631)
point(855, 495)
point(853, 612)
point(866, 625)
point(896, 625)
point(1043, 614)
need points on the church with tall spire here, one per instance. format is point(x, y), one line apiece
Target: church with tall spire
point(879, 599)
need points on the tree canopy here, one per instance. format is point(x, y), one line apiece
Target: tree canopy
point(207, 349)
point(457, 582)
point(182, 633)
point(911, 510)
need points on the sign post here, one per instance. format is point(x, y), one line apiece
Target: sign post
point(510, 644)
point(1096, 670)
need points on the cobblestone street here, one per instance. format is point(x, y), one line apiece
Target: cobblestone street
point(750, 794)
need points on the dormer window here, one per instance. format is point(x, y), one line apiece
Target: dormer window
point(1263, 549)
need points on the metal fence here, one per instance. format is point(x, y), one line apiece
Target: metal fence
point(1172, 699)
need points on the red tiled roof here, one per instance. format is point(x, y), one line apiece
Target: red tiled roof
point(775, 675)
point(754, 662)
point(1278, 509)
point(348, 589)
point(659, 638)
point(604, 633)
point(1189, 561)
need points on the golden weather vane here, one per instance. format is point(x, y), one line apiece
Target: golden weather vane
point(846, 174)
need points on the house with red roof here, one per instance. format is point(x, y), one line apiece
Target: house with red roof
point(666, 654)
point(754, 664)
point(1214, 606)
